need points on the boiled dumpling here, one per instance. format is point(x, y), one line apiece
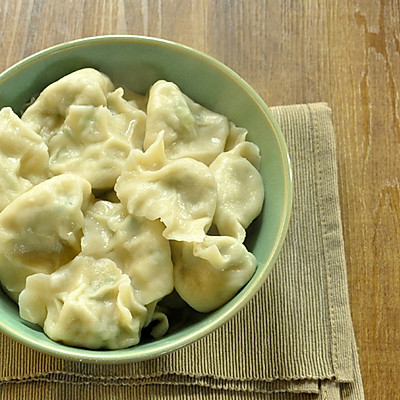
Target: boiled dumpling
point(93, 130)
point(182, 193)
point(190, 129)
point(240, 189)
point(135, 244)
point(207, 274)
point(93, 143)
point(47, 113)
point(23, 157)
point(87, 303)
point(41, 229)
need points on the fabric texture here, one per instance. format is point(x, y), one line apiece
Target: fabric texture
point(294, 340)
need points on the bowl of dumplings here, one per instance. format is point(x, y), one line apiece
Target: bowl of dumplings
point(145, 196)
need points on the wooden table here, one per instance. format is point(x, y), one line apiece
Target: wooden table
point(346, 53)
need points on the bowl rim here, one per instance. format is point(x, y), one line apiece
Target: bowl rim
point(225, 313)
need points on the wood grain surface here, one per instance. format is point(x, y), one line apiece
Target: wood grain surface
point(344, 52)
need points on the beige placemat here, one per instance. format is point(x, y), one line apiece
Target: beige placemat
point(294, 340)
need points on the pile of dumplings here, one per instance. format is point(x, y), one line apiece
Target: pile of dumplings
point(111, 200)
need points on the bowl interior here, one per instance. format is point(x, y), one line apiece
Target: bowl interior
point(137, 62)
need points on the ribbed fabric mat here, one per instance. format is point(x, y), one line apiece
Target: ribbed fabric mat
point(294, 340)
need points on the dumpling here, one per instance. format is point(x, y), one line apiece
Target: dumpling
point(240, 189)
point(87, 303)
point(93, 143)
point(92, 132)
point(207, 274)
point(182, 193)
point(23, 157)
point(86, 86)
point(190, 129)
point(135, 244)
point(41, 229)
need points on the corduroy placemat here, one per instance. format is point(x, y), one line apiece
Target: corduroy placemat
point(294, 340)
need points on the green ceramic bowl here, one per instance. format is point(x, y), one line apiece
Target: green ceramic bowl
point(137, 62)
